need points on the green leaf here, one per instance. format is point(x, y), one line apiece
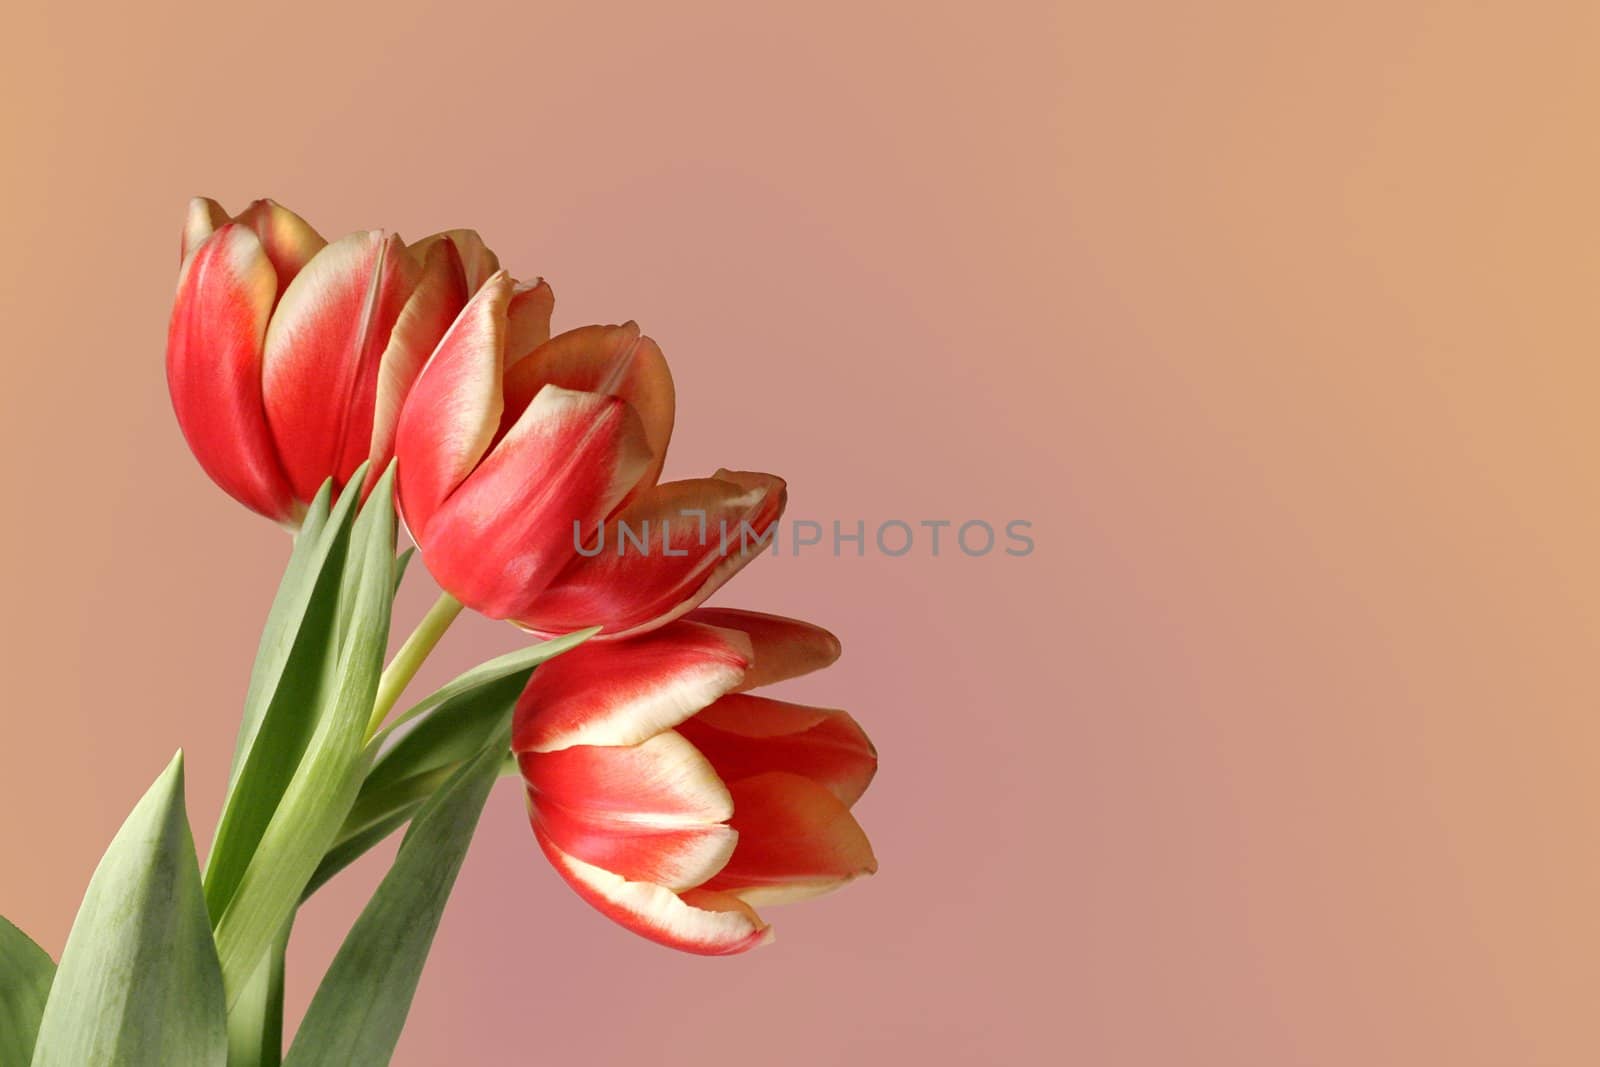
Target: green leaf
point(358, 1011)
point(464, 712)
point(26, 971)
point(285, 618)
point(400, 566)
point(285, 691)
point(486, 673)
point(306, 820)
point(417, 764)
point(255, 1025)
point(139, 984)
point(349, 849)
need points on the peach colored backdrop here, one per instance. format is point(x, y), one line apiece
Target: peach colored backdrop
point(1278, 321)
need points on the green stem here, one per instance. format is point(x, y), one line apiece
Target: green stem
point(406, 662)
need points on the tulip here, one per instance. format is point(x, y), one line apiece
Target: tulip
point(288, 357)
point(529, 469)
point(672, 800)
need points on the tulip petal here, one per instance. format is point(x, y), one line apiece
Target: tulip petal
point(451, 413)
point(796, 840)
point(744, 736)
point(784, 648)
point(620, 693)
point(204, 218)
point(663, 783)
point(214, 342)
point(323, 350)
point(528, 324)
point(478, 261)
point(614, 360)
point(289, 239)
point(439, 296)
point(633, 590)
point(706, 923)
point(678, 858)
point(515, 522)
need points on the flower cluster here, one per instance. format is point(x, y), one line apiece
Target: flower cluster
point(665, 794)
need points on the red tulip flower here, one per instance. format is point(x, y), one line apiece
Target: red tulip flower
point(673, 801)
point(288, 357)
point(528, 475)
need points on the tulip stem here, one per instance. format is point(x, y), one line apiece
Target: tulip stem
point(398, 674)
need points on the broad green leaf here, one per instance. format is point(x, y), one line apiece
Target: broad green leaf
point(139, 984)
point(286, 688)
point(358, 1011)
point(25, 974)
point(306, 820)
point(416, 765)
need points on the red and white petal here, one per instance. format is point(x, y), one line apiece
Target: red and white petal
point(695, 536)
point(479, 262)
point(604, 359)
point(323, 350)
point(440, 294)
point(706, 923)
point(762, 520)
point(679, 857)
point(289, 239)
point(528, 324)
point(205, 217)
point(796, 840)
point(620, 693)
point(453, 409)
point(663, 783)
point(784, 648)
point(744, 736)
point(515, 522)
point(214, 340)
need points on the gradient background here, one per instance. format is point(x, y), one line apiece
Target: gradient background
point(1277, 321)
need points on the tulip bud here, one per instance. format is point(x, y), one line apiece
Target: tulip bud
point(517, 449)
point(288, 357)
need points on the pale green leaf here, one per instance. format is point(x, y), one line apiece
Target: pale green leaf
point(286, 689)
point(358, 1011)
point(139, 984)
point(255, 1022)
point(306, 821)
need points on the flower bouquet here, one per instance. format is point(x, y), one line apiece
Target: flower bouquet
point(348, 389)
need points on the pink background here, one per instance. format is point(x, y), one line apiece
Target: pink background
point(1277, 321)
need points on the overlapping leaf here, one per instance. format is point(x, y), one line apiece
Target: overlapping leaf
point(286, 688)
point(456, 720)
point(417, 765)
point(313, 803)
point(357, 1014)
